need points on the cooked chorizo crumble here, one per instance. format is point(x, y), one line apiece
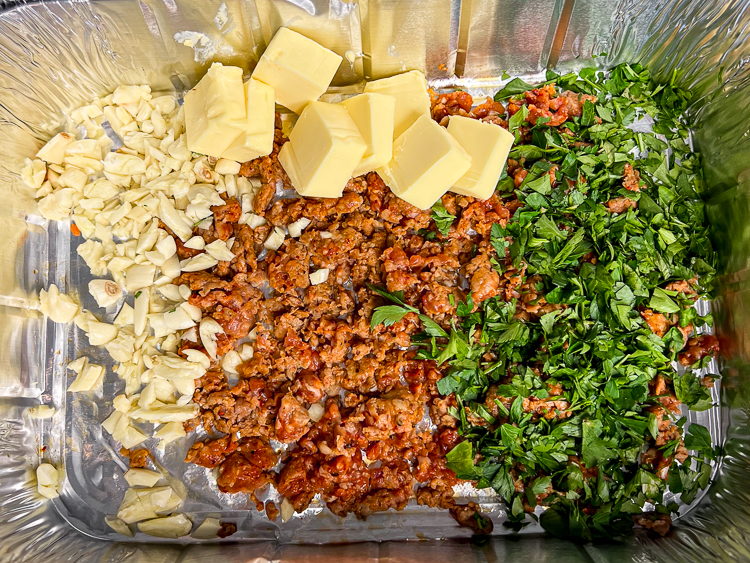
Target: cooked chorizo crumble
point(472, 340)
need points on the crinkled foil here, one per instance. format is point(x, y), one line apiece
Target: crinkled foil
point(57, 55)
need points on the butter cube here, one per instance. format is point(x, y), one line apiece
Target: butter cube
point(257, 137)
point(426, 162)
point(488, 145)
point(374, 116)
point(412, 99)
point(298, 68)
point(215, 111)
point(324, 148)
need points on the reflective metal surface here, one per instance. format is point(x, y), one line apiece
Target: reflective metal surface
point(56, 55)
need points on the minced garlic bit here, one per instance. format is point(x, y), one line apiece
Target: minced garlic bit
point(47, 480)
point(116, 201)
point(59, 307)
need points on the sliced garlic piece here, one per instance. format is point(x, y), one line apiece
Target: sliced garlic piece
point(246, 352)
point(140, 311)
point(47, 479)
point(196, 243)
point(209, 328)
point(137, 477)
point(172, 527)
point(125, 316)
point(190, 335)
point(319, 276)
point(170, 432)
point(100, 334)
point(197, 263)
point(275, 239)
point(178, 319)
point(207, 529)
point(219, 250)
point(59, 307)
point(118, 526)
point(54, 151)
point(230, 361)
point(296, 228)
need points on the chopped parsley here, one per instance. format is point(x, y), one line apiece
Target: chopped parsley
point(443, 219)
point(592, 352)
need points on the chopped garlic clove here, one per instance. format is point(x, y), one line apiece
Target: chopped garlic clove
point(246, 352)
point(193, 311)
point(125, 316)
point(173, 527)
point(139, 276)
point(155, 257)
point(47, 479)
point(171, 268)
point(296, 228)
point(118, 526)
point(105, 292)
point(167, 413)
point(144, 504)
point(137, 477)
point(275, 239)
point(122, 404)
point(54, 151)
point(100, 334)
point(184, 386)
point(167, 247)
point(230, 361)
point(190, 335)
point(172, 219)
point(208, 529)
point(198, 263)
point(140, 311)
point(287, 510)
point(59, 307)
point(198, 357)
point(219, 250)
point(175, 368)
point(319, 276)
point(148, 396)
point(170, 292)
point(132, 437)
point(41, 412)
point(178, 319)
point(196, 243)
point(90, 378)
point(185, 292)
point(316, 412)
point(170, 432)
point(78, 364)
point(209, 328)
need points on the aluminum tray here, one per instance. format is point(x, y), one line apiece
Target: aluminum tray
point(56, 55)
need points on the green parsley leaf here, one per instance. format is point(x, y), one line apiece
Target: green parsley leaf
point(388, 315)
point(460, 460)
point(512, 88)
point(662, 302)
point(688, 390)
point(443, 219)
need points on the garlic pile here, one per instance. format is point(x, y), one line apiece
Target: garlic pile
point(117, 200)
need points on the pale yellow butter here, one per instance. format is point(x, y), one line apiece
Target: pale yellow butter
point(324, 148)
point(374, 116)
point(297, 68)
point(215, 111)
point(412, 99)
point(426, 162)
point(257, 136)
point(488, 145)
